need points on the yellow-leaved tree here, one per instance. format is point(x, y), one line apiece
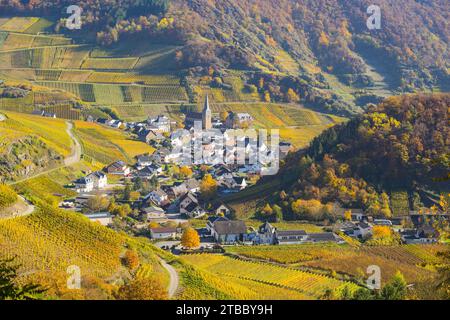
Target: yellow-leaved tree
point(190, 239)
point(208, 187)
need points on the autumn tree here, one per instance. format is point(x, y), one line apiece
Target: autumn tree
point(323, 39)
point(292, 96)
point(131, 259)
point(190, 239)
point(348, 215)
point(208, 187)
point(98, 203)
point(143, 289)
point(186, 172)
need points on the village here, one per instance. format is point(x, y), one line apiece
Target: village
point(164, 193)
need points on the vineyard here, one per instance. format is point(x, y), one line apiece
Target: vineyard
point(51, 239)
point(119, 94)
point(199, 284)
point(310, 284)
point(51, 131)
point(107, 145)
point(409, 259)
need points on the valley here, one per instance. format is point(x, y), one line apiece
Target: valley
point(92, 179)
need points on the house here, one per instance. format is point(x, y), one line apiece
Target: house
point(189, 205)
point(240, 183)
point(165, 233)
point(324, 237)
point(360, 230)
point(238, 120)
point(119, 168)
point(285, 148)
point(146, 135)
point(115, 123)
point(229, 232)
point(192, 185)
point(424, 234)
point(146, 173)
point(221, 209)
point(159, 124)
point(177, 190)
point(104, 218)
point(159, 197)
point(85, 184)
point(96, 180)
point(266, 234)
point(211, 221)
point(290, 237)
point(144, 160)
point(49, 114)
point(154, 212)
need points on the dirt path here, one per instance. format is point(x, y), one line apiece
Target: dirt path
point(76, 147)
point(174, 278)
point(24, 209)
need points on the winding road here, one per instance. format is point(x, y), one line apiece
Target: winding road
point(174, 278)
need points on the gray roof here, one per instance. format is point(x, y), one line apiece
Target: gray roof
point(291, 233)
point(230, 227)
point(325, 236)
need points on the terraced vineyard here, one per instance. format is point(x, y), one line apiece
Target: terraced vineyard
point(310, 284)
point(119, 94)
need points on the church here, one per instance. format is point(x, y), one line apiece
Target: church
point(205, 117)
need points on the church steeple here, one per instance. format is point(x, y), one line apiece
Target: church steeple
point(207, 115)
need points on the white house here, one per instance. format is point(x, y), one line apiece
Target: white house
point(100, 179)
point(266, 234)
point(85, 184)
point(164, 233)
point(291, 237)
point(96, 180)
point(154, 212)
point(360, 230)
point(159, 197)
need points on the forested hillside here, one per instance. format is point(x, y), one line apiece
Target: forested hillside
point(401, 144)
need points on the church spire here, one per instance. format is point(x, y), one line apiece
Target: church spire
point(206, 106)
point(207, 115)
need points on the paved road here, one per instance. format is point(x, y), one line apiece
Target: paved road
point(174, 279)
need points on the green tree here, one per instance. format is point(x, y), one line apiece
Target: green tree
point(10, 290)
point(396, 288)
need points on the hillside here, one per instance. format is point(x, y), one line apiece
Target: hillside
point(400, 145)
point(321, 50)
